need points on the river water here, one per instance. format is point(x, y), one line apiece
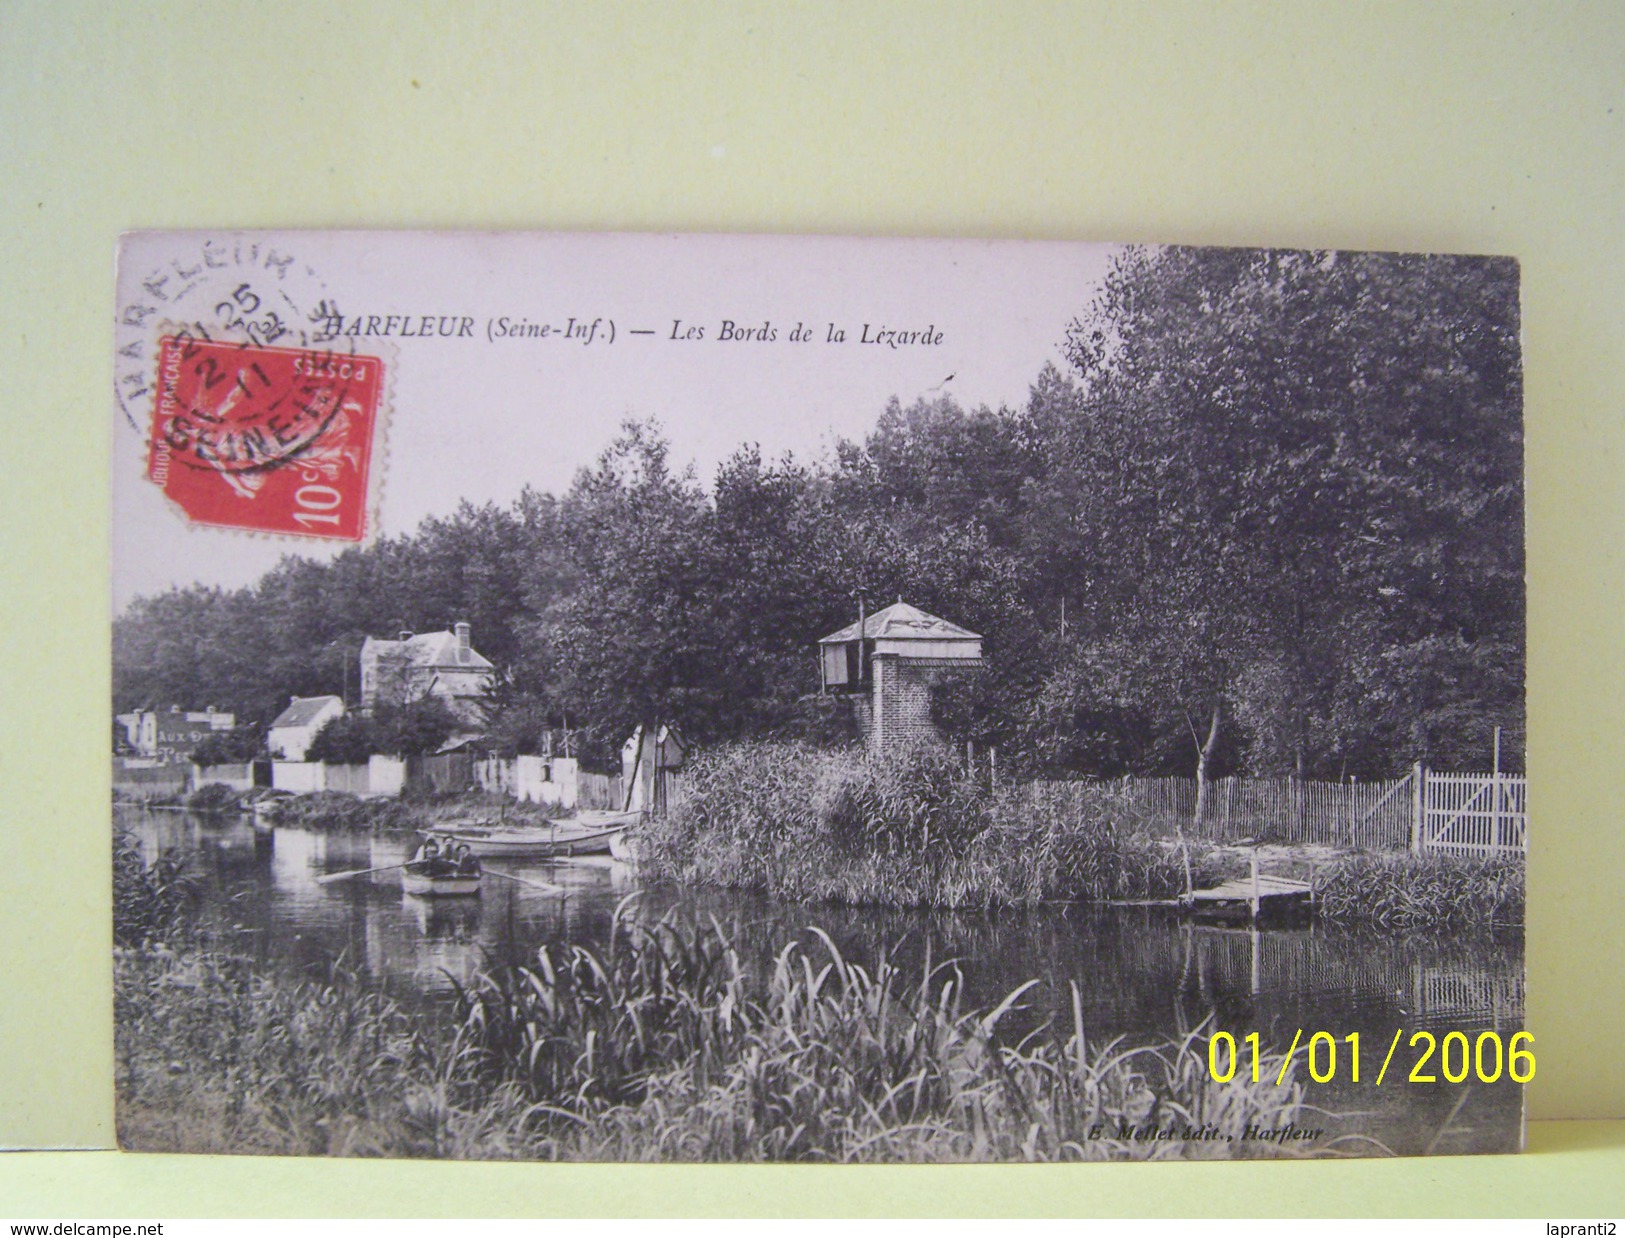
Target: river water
point(1143, 973)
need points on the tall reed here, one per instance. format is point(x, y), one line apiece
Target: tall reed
point(1433, 891)
point(916, 830)
point(215, 1055)
point(664, 1049)
point(151, 902)
point(663, 1046)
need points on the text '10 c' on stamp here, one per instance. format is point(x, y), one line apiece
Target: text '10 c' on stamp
point(274, 440)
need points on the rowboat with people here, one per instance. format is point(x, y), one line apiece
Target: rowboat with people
point(441, 868)
point(435, 885)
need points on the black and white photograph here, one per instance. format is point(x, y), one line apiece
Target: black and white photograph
point(683, 698)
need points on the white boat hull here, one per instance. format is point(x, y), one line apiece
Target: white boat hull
point(559, 840)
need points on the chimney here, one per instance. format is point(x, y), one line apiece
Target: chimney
point(462, 635)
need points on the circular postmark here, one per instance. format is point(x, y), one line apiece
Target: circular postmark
point(256, 411)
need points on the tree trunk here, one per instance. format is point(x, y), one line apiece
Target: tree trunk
point(1204, 754)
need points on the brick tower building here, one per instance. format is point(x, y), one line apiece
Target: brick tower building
point(888, 662)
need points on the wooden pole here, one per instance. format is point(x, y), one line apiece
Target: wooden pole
point(863, 644)
point(1254, 867)
point(1495, 790)
point(660, 772)
point(1418, 805)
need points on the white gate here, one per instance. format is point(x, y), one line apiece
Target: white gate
point(1473, 814)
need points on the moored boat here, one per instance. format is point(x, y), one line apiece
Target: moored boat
point(588, 834)
point(624, 847)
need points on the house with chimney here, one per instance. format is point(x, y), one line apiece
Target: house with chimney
point(418, 665)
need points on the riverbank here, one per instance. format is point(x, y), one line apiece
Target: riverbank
point(832, 825)
point(814, 824)
point(340, 811)
point(662, 1048)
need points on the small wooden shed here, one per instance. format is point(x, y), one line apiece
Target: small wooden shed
point(647, 759)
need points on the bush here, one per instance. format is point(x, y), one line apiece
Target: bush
point(230, 747)
point(214, 797)
point(339, 810)
point(391, 730)
point(349, 739)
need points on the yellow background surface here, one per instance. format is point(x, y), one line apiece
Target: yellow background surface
point(1476, 127)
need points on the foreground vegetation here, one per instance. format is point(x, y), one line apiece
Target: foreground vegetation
point(662, 1046)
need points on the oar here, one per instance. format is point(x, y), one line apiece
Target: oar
point(360, 872)
point(524, 881)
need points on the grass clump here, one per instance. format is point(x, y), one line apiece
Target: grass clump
point(815, 823)
point(1433, 891)
point(582, 1029)
point(215, 1056)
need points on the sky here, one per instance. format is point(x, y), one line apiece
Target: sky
point(483, 413)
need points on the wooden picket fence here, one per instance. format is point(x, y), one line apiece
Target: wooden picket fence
point(1424, 811)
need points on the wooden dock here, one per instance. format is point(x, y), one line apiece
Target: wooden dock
point(1258, 894)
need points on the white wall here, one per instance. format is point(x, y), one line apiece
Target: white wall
point(300, 777)
point(532, 783)
point(239, 777)
point(385, 775)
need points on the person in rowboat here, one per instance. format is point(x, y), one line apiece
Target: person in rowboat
point(428, 859)
point(468, 864)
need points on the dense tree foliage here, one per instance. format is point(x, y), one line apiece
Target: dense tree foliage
point(414, 729)
point(1270, 521)
point(244, 743)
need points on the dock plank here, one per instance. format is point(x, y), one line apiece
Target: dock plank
point(1243, 890)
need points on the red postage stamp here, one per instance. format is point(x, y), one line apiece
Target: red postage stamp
point(273, 440)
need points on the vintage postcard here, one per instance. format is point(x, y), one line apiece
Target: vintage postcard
point(631, 697)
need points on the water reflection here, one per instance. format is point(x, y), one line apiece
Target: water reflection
point(1140, 973)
